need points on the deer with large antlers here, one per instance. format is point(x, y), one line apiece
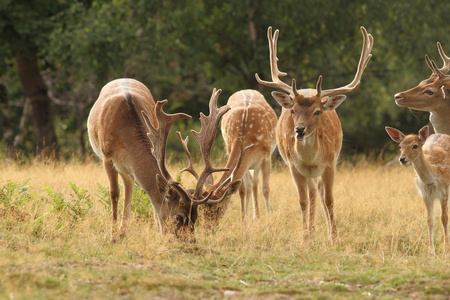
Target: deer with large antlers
point(432, 94)
point(129, 132)
point(309, 133)
point(248, 129)
point(430, 157)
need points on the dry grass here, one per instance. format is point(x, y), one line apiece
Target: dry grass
point(382, 252)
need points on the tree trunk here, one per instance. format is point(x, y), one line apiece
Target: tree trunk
point(7, 125)
point(41, 114)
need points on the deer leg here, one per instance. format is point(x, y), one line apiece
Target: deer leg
point(248, 193)
point(444, 219)
point(128, 182)
point(430, 221)
point(312, 189)
point(255, 179)
point(242, 193)
point(302, 189)
point(265, 187)
point(114, 191)
point(328, 201)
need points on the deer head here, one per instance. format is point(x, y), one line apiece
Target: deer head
point(432, 93)
point(307, 105)
point(410, 145)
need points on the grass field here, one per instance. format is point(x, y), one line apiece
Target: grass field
point(55, 230)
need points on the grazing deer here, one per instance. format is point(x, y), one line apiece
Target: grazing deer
point(248, 129)
point(128, 131)
point(252, 122)
point(430, 156)
point(432, 94)
point(309, 133)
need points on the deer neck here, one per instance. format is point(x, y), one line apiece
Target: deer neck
point(424, 169)
point(440, 118)
point(144, 168)
point(309, 148)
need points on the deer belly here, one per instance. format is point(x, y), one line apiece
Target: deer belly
point(310, 170)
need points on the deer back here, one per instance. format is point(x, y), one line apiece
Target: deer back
point(250, 121)
point(116, 127)
point(437, 152)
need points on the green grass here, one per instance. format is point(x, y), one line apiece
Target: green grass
point(55, 230)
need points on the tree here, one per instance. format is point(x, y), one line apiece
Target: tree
point(182, 50)
point(24, 28)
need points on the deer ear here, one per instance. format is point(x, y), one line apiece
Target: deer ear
point(424, 132)
point(333, 102)
point(234, 186)
point(162, 184)
point(283, 99)
point(395, 134)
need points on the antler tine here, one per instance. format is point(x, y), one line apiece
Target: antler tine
point(446, 67)
point(432, 65)
point(206, 136)
point(158, 135)
point(189, 168)
point(436, 70)
point(363, 61)
point(276, 82)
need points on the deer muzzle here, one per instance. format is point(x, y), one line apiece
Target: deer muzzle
point(300, 132)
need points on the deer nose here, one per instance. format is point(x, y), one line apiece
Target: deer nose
point(300, 130)
point(398, 96)
point(402, 160)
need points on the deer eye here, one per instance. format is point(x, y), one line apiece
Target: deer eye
point(317, 113)
point(429, 92)
point(415, 147)
point(180, 219)
point(292, 111)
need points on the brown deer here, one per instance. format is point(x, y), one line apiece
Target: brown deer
point(248, 129)
point(430, 156)
point(432, 94)
point(309, 133)
point(129, 132)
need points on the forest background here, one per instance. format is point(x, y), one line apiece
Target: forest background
point(56, 55)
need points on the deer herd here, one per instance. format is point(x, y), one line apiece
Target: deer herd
point(129, 131)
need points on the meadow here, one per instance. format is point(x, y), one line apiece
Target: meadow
point(55, 232)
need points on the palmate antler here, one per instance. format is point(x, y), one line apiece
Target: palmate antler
point(158, 138)
point(158, 133)
point(205, 138)
point(277, 83)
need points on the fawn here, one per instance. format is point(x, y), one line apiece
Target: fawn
point(430, 156)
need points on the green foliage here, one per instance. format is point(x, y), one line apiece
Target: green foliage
point(15, 193)
point(182, 50)
point(55, 198)
point(140, 203)
point(102, 193)
point(78, 207)
point(81, 205)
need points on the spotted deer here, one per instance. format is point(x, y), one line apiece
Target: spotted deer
point(248, 130)
point(430, 157)
point(309, 133)
point(432, 94)
point(252, 122)
point(128, 131)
